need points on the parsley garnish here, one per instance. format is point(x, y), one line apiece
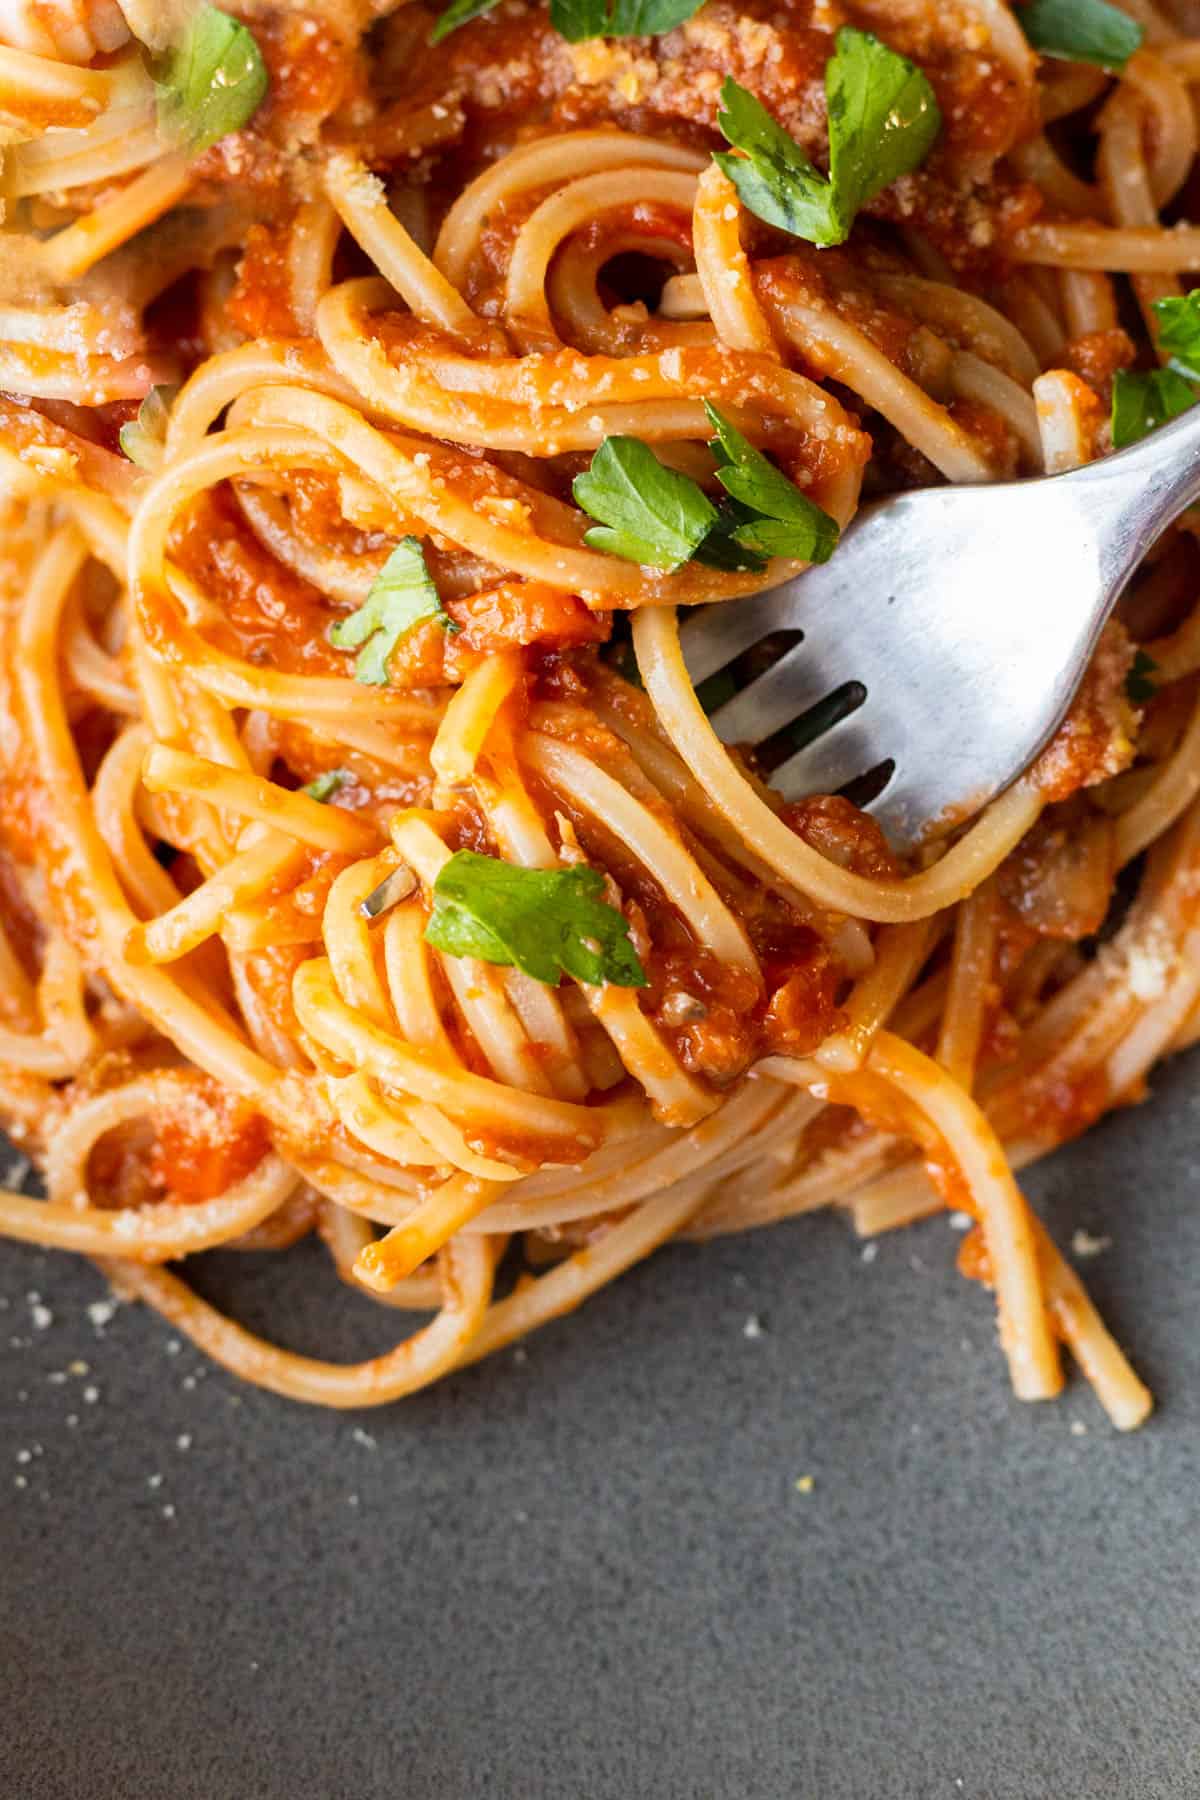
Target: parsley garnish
point(722, 550)
point(1144, 399)
point(143, 439)
point(1088, 31)
point(1179, 331)
point(1140, 685)
point(648, 513)
point(327, 785)
point(883, 119)
point(578, 20)
point(460, 13)
point(401, 596)
point(212, 83)
point(774, 177)
point(655, 516)
point(774, 517)
point(541, 921)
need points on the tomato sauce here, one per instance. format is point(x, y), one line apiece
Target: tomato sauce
point(844, 835)
point(22, 927)
point(719, 1019)
point(206, 1143)
point(261, 304)
point(838, 277)
point(270, 615)
point(524, 612)
point(992, 432)
point(310, 70)
point(803, 1012)
point(1097, 356)
point(1066, 1109)
point(1095, 740)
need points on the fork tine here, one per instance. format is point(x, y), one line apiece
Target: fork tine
point(787, 689)
point(841, 754)
point(712, 637)
point(905, 808)
point(967, 615)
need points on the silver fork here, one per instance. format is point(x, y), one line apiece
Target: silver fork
point(948, 633)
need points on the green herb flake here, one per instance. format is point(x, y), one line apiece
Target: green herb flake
point(143, 440)
point(780, 520)
point(883, 120)
point(653, 515)
point(774, 177)
point(326, 786)
point(648, 513)
point(1086, 31)
point(1144, 400)
point(722, 549)
point(545, 922)
point(402, 595)
point(212, 83)
point(578, 20)
point(461, 12)
point(1140, 683)
point(1178, 317)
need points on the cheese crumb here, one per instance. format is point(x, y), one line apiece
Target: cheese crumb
point(50, 459)
point(1084, 1244)
point(805, 1484)
point(1148, 970)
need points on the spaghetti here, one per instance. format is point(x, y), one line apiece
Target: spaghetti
point(369, 865)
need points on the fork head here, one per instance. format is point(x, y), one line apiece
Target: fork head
point(936, 652)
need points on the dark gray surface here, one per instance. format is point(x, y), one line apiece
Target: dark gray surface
point(587, 1572)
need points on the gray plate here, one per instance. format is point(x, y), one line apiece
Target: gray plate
point(586, 1570)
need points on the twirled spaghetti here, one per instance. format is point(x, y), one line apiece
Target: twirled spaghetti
point(404, 304)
